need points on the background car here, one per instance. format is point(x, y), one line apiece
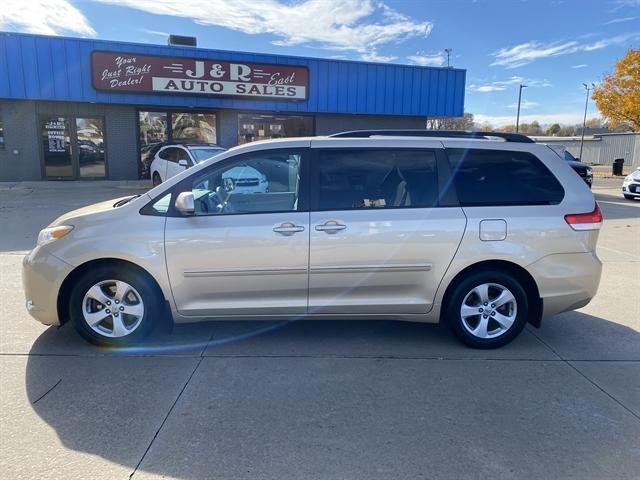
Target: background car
point(172, 159)
point(585, 172)
point(631, 185)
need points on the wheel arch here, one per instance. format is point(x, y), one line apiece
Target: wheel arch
point(62, 303)
point(521, 274)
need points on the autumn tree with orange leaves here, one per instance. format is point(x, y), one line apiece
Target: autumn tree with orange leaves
point(618, 96)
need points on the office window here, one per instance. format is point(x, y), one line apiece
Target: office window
point(252, 127)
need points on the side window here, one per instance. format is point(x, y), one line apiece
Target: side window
point(181, 154)
point(165, 154)
point(499, 177)
point(261, 182)
point(353, 179)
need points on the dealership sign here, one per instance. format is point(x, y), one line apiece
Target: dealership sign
point(127, 72)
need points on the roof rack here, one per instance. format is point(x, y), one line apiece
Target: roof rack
point(507, 137)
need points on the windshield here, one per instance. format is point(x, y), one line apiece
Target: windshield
point(200, 154)
point(569, 158)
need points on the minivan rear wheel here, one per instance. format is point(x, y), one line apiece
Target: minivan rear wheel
point(487, 309)
point(113, 305)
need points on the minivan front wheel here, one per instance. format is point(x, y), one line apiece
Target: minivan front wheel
point(487, 309)
point(113, 306)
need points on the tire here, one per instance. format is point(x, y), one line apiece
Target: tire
point(156, 179)
point(503, 323)
point(95, 298)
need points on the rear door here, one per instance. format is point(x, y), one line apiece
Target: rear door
point(381, 234)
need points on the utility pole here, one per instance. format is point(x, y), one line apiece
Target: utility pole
point(448, 50)
point(519, 101)
point(584, 119)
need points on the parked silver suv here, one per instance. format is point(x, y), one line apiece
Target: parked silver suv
point(485, 232)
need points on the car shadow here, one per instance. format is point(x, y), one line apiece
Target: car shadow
point(110, 403)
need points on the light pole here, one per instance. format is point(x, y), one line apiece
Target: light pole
point(448, 51)
point(584, 119)
point(519, 100)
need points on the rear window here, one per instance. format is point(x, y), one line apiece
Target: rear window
point(498, 177)
point(374, 179)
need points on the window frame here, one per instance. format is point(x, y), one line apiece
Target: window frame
point(186, 184)
point(449, 151)
point(445, 197)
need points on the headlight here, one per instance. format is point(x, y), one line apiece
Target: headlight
point(589, 171)
point(51, 234)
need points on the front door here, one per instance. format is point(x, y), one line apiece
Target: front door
point(245, 251)
point(380, 243)
point(73, 147)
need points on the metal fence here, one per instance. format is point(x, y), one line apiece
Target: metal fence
point(601, 149)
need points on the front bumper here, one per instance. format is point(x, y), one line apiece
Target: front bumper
point(566, 281)
point(631, 189)
point(42, 276)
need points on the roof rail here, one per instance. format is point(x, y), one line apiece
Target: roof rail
point(507, 137)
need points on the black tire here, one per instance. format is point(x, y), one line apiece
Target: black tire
point(144, 286)
point(453, 315)
point(156, 179)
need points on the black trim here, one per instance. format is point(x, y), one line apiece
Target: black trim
point(508, 137)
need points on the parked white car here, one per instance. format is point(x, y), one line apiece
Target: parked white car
point(631, 185)
point(175, 158)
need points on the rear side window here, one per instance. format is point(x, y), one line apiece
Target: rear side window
point(355, 179)
point(498, 177)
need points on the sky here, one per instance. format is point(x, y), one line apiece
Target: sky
point(552, 46)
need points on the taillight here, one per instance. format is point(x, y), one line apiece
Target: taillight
point(585, 221)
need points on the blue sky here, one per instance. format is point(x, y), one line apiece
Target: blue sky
point(552, 46)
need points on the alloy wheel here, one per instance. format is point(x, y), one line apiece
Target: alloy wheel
point(113, 308)
point(488, 310)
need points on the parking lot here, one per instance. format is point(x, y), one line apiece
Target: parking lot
point(325, 400)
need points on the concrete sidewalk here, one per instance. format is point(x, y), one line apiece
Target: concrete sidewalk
point(325, 400)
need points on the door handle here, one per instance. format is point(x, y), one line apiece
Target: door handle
point(330, 226)
point(288, 228)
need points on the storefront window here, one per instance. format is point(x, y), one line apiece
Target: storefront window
point(153, 134)
point(90, 142)
point(252, 127)
point(56, 144)
point(193, 127)
point(158, 128)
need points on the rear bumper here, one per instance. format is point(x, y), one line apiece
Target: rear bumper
point(566, 281)
point(42, 276)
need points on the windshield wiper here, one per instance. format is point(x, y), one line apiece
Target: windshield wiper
point(124, 201)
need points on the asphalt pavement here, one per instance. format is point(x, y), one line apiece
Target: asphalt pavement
point(320, 400)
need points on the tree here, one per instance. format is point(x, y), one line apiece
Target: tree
point(451, 123)
point(618, 96)
point(553, 129)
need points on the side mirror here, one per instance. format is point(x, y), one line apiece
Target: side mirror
point(185, 203)
point(183, 163)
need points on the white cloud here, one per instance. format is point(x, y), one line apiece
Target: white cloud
point(526, 53)
point(524, 104)
point(154, 32)
point(501, 85)
point(427, 60)
point(331, 24)
point(48, 17)
point(582, 65)
point(568, 118)
point(620, 20)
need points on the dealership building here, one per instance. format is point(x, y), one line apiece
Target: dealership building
point(74, 108)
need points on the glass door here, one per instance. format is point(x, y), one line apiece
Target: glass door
point(56, 141)
point(90, 147)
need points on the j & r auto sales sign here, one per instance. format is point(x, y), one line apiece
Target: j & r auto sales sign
point(127, 72)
